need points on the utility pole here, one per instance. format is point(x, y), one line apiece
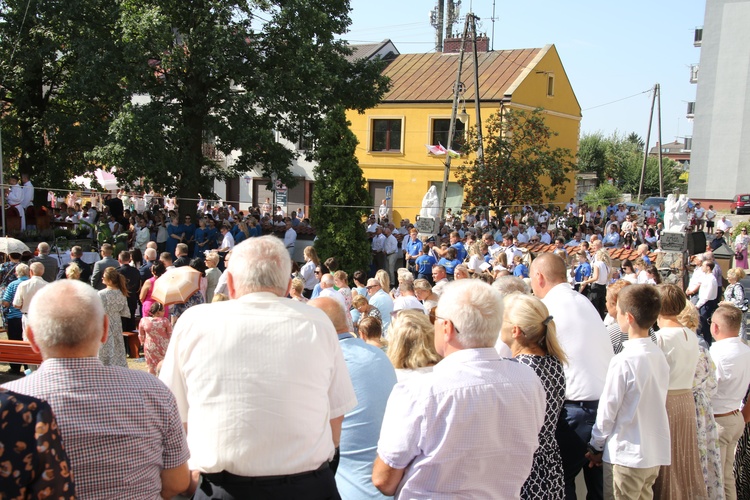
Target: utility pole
point(648, 138)
point(477, 97)
point(439, 28)
point(658, 131)
point(454, 111)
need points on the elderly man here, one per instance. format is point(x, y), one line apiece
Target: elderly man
point(101, 265)
point(13, 315)
point(361, 427)
point(584, 339)
point(120, 427)
point(76, 253)
point(290, 237)
point(327, 289)
point(439, 437)
point(51, 264)
point(28, 289)
point(181, 253)
point(732, 358)
point(149, 256)
point(380, 299)
point(267, 421)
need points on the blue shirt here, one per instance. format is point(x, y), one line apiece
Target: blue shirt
point(582, 271)
point(424, 264)
point(361, 427)
point(460, 250)
point(449, 265)
point(414, 247)
point(521, 271)
point(10, 292)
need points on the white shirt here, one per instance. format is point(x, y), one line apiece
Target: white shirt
point(407, 302)
point(26, 291)
point(732, 359)
point(308, 275)
point(28, 195)
point(709, 290)
point(277, 378)
point(680, 347)
point(443, 428)
point(378, 243)
point(227, 243)
point(290, 238)
point(404, 374)
point(391, 245)
point(723, 225)
point(545, 238)
point(699, 213)
point(584, 339)
point(631, 423)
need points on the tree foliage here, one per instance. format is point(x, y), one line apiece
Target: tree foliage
point(229, 76)
point(338, 195)
point(60, 83)
point(620, 160)
point(603, 195)
point(519, 163)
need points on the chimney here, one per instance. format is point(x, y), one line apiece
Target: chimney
point(453, 45)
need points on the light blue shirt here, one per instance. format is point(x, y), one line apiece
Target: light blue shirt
point(373, 378)
point(384, 303)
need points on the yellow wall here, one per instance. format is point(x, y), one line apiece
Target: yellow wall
point(413, 169)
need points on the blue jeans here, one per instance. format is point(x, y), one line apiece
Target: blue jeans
point(573, 435)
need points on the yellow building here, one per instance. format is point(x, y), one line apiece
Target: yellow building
point(417, 110)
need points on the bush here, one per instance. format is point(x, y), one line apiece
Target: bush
point(602, 195)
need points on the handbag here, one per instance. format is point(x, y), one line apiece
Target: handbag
point(738, 256)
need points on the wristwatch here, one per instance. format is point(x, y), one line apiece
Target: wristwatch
point(593, 450)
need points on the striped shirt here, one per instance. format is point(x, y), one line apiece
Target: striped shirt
point(120, 427)
point(8, 296)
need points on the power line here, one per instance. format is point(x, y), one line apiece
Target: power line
point(618, 100)
point(18, 36)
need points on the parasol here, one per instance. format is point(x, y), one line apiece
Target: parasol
point(12, 245)
point(176, 285)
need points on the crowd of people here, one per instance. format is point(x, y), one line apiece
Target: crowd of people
point(460, 364)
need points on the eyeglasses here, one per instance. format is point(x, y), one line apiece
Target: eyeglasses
point(434, 317)
point(372, 286)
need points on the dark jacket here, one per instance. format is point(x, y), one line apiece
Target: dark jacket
point(85, 270)
point(133, 278)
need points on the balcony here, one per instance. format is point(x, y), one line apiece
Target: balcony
point(210, 152)
point(698, 38)
point(693, 73)
point(691, 109)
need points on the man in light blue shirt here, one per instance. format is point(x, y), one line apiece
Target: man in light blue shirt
point(381, 300)
point(373, 378)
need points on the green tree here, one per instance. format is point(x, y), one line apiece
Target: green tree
point(519, 163)
point(602, 195)
point(339, 196)
point(60, 83)
point(594, 156)
point(220, 77)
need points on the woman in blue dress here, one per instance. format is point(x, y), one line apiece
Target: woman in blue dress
point(201, 239)
point(175, 235)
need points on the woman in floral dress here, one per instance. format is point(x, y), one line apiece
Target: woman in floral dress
point(530, 333)
point(741, 243)
point(154, 332)
point(115, 301)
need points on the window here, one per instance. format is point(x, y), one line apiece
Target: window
point(550, 85)
point(386, 135)
point(440, 130)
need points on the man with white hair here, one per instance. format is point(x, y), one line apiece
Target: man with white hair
point(28, 289)
point(51, 264)
point(104, 412)
point(149, 256)
point(327, 289)
point(268, 419)
point(439, 436)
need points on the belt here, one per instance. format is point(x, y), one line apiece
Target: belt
point(591, 405)
point(225, 477)
point(728, 414)
point(388, 254)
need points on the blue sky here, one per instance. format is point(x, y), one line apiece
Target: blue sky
point(610, 50)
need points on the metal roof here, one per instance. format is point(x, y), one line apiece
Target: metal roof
point(430, 77)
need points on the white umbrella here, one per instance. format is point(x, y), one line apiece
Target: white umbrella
point(176, 285)
point(12, 245)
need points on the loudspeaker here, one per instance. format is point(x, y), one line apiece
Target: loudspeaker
point(696, 242)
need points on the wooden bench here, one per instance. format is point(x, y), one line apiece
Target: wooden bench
point(18, 351)
point(134, 344)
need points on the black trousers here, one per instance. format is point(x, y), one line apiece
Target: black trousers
point(598, 297)
point(316, 485)
point(15, 332)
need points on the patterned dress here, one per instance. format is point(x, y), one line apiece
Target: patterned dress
point(112, 351)
point(154, 333)
point(704, 386)
point(742, 461)
point(546, 480)
point(34, 461)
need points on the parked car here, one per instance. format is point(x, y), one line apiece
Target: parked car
point(653, 202)
point(740, 204)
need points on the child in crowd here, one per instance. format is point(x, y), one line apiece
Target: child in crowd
point(631, 435)
point(519, 268)
point(450, 262)
point(154, 332)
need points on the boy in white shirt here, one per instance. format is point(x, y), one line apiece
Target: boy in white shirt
point(631, 435)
